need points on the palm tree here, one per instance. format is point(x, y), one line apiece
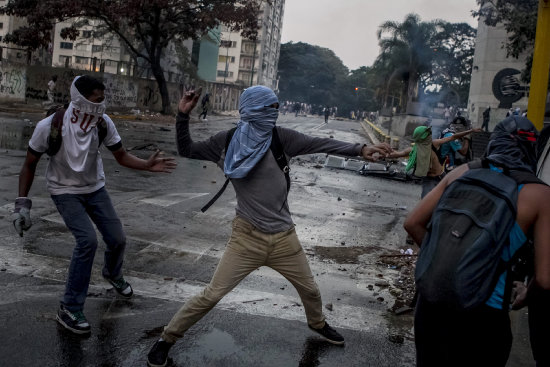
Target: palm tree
point(407, 50)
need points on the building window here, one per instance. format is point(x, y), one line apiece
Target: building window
point(96, 48)
point(65, 60)
point(228, 44)
point(222, 73)
point(80, 60)
point(111, 63)
point(66, 45)
point(86, 34)
point(223, 58)
point(1, 25)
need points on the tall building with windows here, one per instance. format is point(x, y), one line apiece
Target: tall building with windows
point(105, 54)
point(248, 62)
point(13, 52)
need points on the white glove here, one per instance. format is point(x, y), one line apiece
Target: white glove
point(21, 216)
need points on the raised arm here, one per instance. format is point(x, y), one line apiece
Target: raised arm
point(401, 153)
point(438, 142)
point(296, 143)
point(210, 149)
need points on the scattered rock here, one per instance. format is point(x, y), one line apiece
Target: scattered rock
point(168, 278)
point(396, 338)
point(328, 306)
point(339, 198)
point(382, 283)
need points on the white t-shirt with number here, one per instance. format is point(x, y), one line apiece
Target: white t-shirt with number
point(61, 178)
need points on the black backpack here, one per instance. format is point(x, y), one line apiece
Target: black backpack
point(459, 262)
point(55, 138)
point(276, 148)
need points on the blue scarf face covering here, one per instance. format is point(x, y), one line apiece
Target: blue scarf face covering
point(252, 138)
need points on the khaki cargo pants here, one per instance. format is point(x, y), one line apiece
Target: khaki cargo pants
point(247, 250)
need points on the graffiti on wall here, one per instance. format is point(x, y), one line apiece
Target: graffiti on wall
point(12, 83)
point(507, 87)
point(120, 91)
point(37, 85)
point(150, 98)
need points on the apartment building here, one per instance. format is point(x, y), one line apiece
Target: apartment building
point(247, 62)
point(15, 53)
point(105, 54)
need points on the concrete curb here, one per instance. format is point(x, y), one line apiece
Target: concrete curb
point(376, 135)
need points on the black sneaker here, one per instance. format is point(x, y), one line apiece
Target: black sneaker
point(73, 321)
point(329, 334)
point(158, 355)
point(121, 286)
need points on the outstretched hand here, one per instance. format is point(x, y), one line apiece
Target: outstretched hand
point(189, 100)
point(375, 152)
point(158, 163)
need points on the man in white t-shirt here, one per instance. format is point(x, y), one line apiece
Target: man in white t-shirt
point(51, 89)
point(75, 180)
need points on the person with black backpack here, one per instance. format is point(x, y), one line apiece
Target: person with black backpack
point(254, 156)
point(473, 229)
point(75, 180)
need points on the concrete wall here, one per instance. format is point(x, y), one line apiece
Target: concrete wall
point(29, 84)
point(490, 59)
point(13, 82)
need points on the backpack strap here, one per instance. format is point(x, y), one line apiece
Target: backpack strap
point(279, 154)
point(54, 139)
point(478, 163)
point(228, 138)
point(277, 150)
point(101, 132)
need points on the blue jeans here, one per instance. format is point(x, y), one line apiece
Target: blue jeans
point(77, 210)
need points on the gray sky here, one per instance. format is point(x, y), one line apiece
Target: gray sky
point(348, 27)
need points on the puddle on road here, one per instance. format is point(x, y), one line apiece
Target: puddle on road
point(213, 346)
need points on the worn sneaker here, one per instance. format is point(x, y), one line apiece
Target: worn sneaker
point(329, 334)
point(158, 355)
point(121, 286)
point(73, 321)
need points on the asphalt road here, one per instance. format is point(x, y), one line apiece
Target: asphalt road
point(345, 222)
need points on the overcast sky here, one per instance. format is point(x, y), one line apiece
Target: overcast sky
point(348, 27)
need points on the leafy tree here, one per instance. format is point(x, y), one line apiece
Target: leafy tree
point(453, 61)
point(145, 27)
point(519, 19)
point(407, 47)
point(310, 74)
point(435, 56)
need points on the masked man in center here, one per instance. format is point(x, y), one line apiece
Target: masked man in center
point(263, 232)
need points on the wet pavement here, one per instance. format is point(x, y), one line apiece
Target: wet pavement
point(350, 227)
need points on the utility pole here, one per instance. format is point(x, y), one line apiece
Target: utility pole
point(541, 63)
